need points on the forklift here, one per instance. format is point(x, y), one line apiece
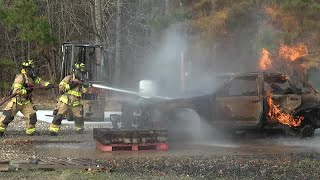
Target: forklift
point(93, 56)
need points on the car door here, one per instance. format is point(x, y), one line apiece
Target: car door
point(239, 103)
point(282, 91)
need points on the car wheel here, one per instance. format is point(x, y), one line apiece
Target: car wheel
point(308, 125)
point(307, 131)
point(184, 126)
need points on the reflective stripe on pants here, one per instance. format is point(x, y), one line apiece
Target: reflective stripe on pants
point(79, 128)
point(3, 129)
point(30, 130)
point(54, 128)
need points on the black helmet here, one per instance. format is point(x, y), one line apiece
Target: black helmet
point(28, 68)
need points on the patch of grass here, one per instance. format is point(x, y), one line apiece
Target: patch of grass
point(83, 175)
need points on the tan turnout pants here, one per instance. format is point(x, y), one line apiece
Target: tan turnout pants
point(13, 108)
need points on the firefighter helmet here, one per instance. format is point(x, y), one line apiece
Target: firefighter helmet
point(79, 70)
point(79, 67)
point(28, 68)
point(28, 64)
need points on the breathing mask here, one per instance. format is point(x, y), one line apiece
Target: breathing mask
point(79, 71)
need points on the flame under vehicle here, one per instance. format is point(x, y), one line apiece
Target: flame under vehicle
point(247, 101)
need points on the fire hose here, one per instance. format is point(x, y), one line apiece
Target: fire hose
point(15, 94)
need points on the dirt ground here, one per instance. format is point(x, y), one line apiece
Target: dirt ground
point(271, 158)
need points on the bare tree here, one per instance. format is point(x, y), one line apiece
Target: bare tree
point(118, 45)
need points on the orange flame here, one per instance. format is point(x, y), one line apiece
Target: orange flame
point(265, 61)
point(275, 113)
point(294, 52)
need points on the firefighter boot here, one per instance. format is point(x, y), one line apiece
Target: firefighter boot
point(55, 125)
point(2, 130)
point(54, 129)
point(80, 130)
point(32, 132)
point(31, 127)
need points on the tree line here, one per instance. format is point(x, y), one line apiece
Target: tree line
point(218, 35)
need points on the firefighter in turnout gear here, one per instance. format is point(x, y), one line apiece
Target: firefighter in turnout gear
point(72, 87)
point(23, 86)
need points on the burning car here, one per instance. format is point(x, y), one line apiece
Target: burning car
point(255, 100)
point(259, 100)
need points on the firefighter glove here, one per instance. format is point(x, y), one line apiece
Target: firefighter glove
point(86, 84)
point(73, 85)
point(29, 90)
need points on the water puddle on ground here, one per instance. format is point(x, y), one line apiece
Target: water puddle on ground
point(84, 145)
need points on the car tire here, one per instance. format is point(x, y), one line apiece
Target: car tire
point(184, 126)
point(308, 125)
point(307, 131)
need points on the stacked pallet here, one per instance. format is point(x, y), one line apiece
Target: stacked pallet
point(109, 140)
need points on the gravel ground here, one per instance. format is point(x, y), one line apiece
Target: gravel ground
point(162, 165)
point(285, 166)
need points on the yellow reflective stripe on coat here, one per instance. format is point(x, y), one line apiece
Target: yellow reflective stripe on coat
point(17, 86)
point(62, 83)
point(65, 100)
point(75, 93)
point(30, 130)
point(54, 128)
point(76, 103)
point(66, 85)
point(23, 91)
point(23, 103)
point(46, 84)
point(20, 102)
point(37, 80)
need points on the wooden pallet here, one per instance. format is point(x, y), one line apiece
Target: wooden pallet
point(132, 147)
point(129, 136)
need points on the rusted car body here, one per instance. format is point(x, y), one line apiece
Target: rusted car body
point(241, 103)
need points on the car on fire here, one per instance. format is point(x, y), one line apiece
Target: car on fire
point(246, 101)
point(259, 100)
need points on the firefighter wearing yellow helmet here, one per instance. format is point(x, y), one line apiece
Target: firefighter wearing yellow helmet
point(72, 87)
point(23, 86)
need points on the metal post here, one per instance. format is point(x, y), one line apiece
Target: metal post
point(73, 48)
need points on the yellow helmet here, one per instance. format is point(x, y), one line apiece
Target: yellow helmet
point(79, 67)
point(28, 64)
point(28, 68)
point(79, 71)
